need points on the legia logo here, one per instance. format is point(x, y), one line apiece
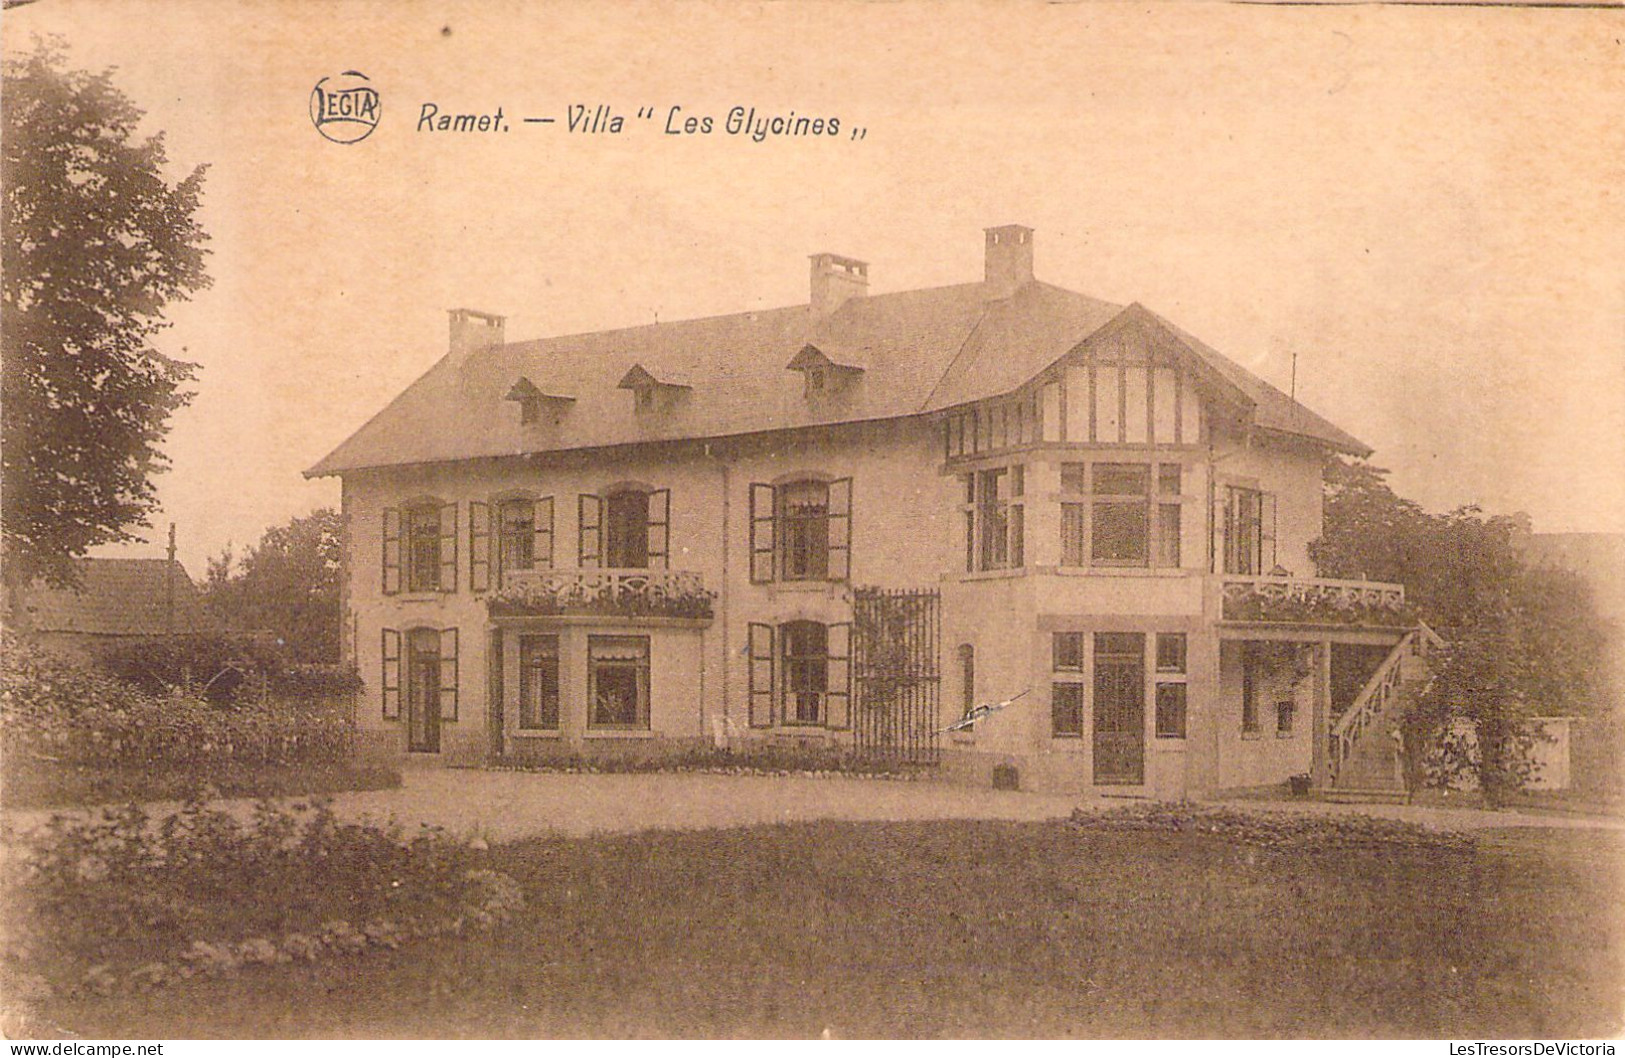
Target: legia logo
point(344, 108)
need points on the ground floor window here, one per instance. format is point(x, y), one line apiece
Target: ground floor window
point(1285, 716)
point(1171, 693)
point(618, 682)
point(538, 683)
point(1066, 710)
point(806, 671)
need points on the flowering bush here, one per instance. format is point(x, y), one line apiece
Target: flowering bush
point(122, 901)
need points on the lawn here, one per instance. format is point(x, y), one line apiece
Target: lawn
point(968, 929)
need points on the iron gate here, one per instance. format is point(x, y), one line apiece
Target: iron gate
point(896, 639)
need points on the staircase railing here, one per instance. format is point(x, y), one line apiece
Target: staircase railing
point(1374, 698)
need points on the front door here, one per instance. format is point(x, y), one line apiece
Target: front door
point(423, 692)
point(1119, 726)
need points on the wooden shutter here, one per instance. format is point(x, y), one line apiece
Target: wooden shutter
point(448, 674)
point(761, 675)
point(479, 546)
point(589, 531)
point(660, 529)
point(390, 679)
point(392, 550)
point(1267, 560)
point(761, 533)
point(542, 549)
point(838, 677)
point(448, 547)
point(840, 529)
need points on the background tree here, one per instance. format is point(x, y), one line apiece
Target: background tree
point(96, 242)
point(287, 585)
point(1522, 641)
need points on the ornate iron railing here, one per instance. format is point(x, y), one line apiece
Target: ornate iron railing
point(1373, 700)
point(1313, 599)
point(607, 592)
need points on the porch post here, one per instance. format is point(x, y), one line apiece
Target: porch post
point(1320, 769)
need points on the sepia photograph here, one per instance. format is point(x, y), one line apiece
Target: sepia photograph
point(715, 519)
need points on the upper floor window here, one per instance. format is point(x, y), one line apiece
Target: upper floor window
point(1249, 531)
point(420, 547)
point(995, 425)
point(801, 530)
point(800, 674)
point(507, 536)
point(1121, 514)
point(995, 519)
point(627, 529)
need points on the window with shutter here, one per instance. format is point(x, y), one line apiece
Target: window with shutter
point(479, 546)
point(421, 547)
point(626, 529)
point(390, 673)
point(516, 536)
point(542, 548)
point(589, 531)
point(839, 680)
point(448, 674)
point(658, 534)
point(762, 533)
point(392, 551)
point(448, 547)
point(840, 529)
point(761, 674)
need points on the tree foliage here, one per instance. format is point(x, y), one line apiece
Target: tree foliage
point(288, 585)
point(1523, 641)
point(96, 241)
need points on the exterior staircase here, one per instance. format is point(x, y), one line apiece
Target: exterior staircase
point(1363, 755)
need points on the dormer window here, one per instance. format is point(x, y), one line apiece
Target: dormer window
point(651, 393)
point(824, 375)
point(535, 406)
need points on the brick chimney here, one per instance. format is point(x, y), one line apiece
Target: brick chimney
point(471, 330)
point(1009, 260)
point(834, 279)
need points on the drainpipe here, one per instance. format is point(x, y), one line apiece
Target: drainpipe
point(722, 589)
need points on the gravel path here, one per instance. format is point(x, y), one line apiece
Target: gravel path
point(504, 805)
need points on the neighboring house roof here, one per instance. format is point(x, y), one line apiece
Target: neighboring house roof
point(119, 597)
point(920, 350)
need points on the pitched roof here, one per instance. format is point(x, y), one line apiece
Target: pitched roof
point(119, 597)
point(920, 350)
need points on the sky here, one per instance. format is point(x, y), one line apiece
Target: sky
point(1420, 205)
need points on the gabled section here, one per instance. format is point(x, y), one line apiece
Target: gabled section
point(651, 394)
point(825, 374)
point(536, 406)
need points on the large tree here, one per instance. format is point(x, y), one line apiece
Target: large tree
point(1522, 641)
point(287, 585)
point(97, 240)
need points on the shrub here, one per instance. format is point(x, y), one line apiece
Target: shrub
point(54, 709)
point(1271, 829)
point(122, 900)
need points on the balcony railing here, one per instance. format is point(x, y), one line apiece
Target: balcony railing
point(602, 592)
point(1314, 600)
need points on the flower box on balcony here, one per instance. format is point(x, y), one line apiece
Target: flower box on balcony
point(628, 593)
point(1304, 600)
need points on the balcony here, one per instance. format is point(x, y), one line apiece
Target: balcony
point(1312, 600)
point(630, 593)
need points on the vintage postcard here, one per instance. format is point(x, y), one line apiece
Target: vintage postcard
point(813, 519)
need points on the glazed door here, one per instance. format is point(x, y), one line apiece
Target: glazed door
point(423, 692)
point(1119, 708)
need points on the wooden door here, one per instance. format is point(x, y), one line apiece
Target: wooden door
point(423, 692)
point(1119, 708)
